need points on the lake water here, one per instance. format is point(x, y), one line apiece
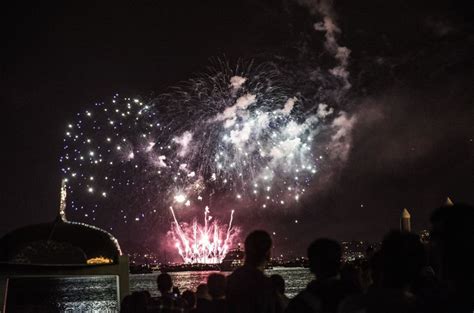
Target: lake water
point(296, 280)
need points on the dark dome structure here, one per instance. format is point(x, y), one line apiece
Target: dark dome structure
point(59, 242)
point(55, 255)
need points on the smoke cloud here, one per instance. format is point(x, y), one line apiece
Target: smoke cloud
point(230, 114)
point(159, 161)
point(237, 81)
point(183, 141)
point(288, 107)
point(332, 31)
point(324, 110)
point(341, 140)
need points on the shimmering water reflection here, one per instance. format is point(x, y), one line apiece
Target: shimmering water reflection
point(296, 280)
point(76, 294)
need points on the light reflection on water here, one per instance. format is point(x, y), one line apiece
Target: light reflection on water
point(99, 293)
point(62, 294)
point(296, 280)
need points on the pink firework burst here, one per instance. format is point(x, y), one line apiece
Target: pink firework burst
point(208, 243)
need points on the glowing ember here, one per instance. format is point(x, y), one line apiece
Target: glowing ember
point(208, 243)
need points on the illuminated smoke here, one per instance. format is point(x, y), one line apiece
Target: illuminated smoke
point(237, 81)
point(341, 140)
point(331, 31)
point(183, 141)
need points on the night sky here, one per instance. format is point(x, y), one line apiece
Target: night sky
point(411, 71)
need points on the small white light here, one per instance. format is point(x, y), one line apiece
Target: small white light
point(180, 198)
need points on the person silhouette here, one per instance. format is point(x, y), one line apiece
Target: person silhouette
point(216, 284)
point(249, 290)
point(279, 285)
point(327, 290)
point(396, 266)
point(203, 299)
point(190, 298)
point(451, 245)
point(137, 302)
point(167, 302)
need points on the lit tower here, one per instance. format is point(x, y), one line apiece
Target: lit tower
point(448, 202)
point(405, 224)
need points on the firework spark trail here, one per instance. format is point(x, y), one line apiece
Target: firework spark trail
point(203, 244)
point(230, 225)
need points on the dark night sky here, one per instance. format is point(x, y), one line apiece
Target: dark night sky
point(411, 70)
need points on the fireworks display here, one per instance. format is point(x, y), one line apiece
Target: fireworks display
point(181, 127)
point(235, 137)
point(208, 243)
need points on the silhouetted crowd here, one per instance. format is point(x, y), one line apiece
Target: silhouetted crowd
point(403, 275)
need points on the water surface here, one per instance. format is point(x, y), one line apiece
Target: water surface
point(296, 280)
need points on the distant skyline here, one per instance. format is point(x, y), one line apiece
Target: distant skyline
point(409, 66)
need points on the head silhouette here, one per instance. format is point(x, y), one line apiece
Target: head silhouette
point(202, 292)
point(257, 248)
point(278, 283)
point(324, 258)
point(402, 256)
point(165, 283)
point(216, 284)
point(375, 268)
point(136, 302)
point(452, 239)
point(190, 298)
point(127, 305)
